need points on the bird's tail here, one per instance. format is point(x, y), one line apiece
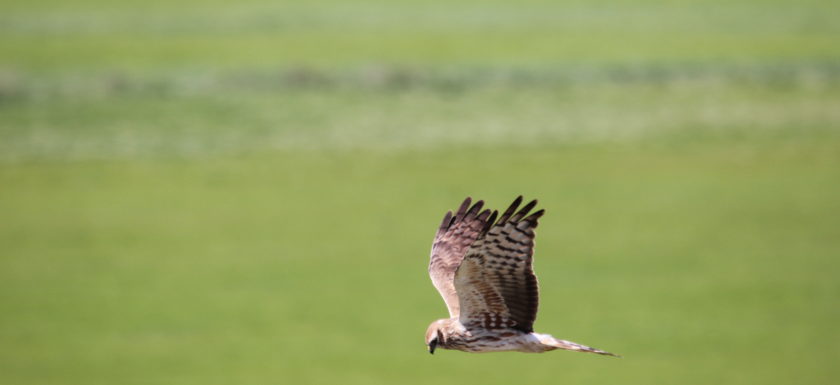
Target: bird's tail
point(552, 343)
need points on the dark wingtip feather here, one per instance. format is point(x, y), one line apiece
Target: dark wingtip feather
point(528, 207)
point(462, 210)
point(490, 222)
point(536, 215)
point(475, 208)
point(447, 221)
point(524, 211)
point(506, 215)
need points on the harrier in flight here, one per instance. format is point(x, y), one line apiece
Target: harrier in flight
point(482, 268)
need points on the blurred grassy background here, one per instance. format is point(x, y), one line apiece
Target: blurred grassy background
point(205, 192)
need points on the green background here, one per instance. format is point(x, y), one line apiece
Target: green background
point(209, 192)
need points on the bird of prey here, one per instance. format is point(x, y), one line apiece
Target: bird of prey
point(482, 268)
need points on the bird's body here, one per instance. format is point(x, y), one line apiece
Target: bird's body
point(483, 270)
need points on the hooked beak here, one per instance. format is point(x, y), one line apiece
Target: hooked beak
point(432, 346)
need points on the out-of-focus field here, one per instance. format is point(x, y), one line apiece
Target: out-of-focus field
point(216, 193)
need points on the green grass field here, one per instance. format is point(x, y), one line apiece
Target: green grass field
point(218, 193)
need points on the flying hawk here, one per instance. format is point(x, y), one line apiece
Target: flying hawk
point(482, 268)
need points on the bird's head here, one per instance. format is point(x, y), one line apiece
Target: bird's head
point(436, 334)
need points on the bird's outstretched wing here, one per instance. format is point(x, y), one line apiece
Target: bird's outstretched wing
point(495, 282)
point(453, 238)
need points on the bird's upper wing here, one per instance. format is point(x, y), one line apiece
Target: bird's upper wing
point(495, 282)
point(454, 236)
